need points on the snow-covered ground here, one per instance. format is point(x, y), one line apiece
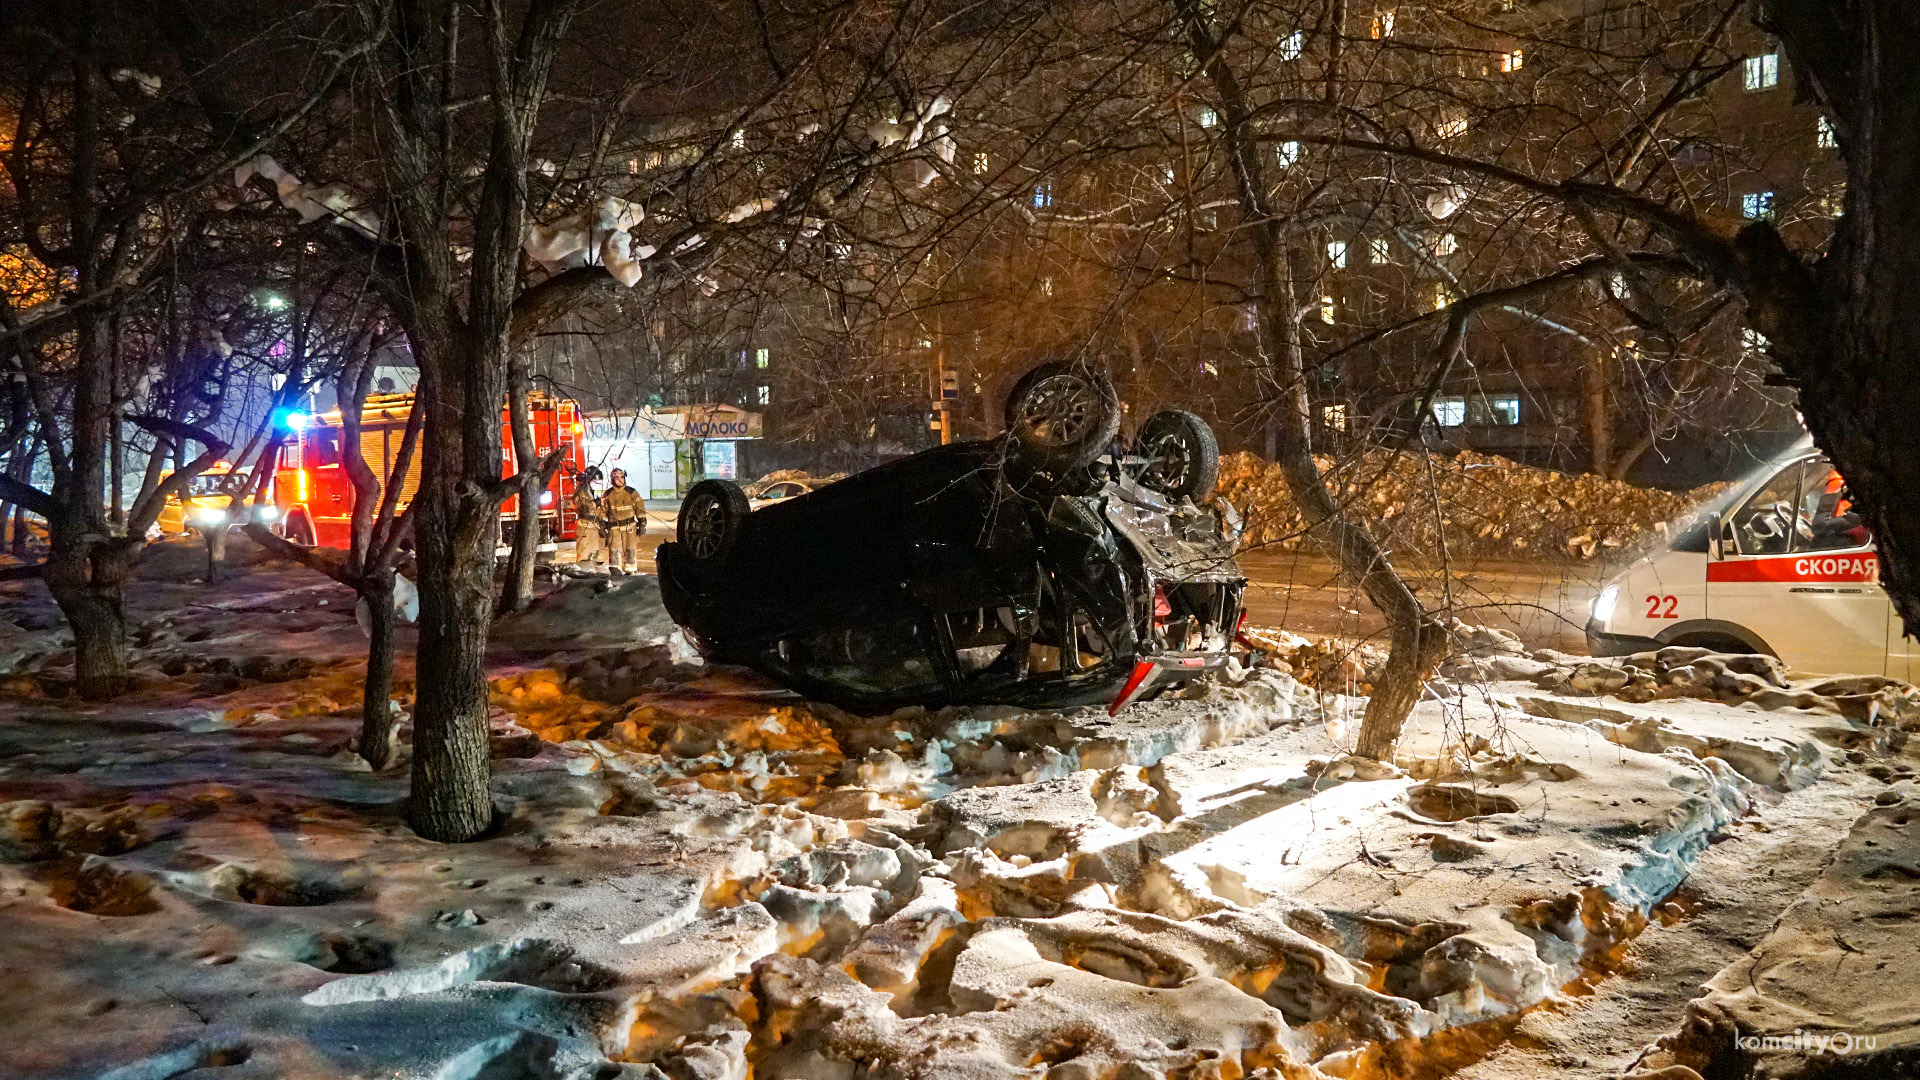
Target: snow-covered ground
point(697, 875)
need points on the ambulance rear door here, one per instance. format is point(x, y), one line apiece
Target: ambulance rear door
point(1797, 570)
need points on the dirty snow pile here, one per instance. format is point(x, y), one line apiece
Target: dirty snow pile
point(699, 876)
point(1491, 507)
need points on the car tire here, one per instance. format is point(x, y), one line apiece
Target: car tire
point(1720, 643)
point(300, 531)
point(711, 519)
point(1182, 455)
point(1062, 416)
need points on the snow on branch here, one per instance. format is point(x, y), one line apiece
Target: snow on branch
point(599, 236)
point(311, 202)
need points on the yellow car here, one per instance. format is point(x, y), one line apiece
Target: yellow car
point(205, 502)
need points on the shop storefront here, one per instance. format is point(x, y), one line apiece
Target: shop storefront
point(667, 449)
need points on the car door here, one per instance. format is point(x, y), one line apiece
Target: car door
point(1797, 570)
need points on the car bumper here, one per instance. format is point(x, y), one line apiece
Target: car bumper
point(1165, 669)
point(1601, 643)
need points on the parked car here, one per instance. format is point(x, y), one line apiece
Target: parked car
point(1048, 566)
point(205, 502)
point(1781, 565)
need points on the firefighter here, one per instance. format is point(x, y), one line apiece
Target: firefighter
point(625, 516)
point(591, 543)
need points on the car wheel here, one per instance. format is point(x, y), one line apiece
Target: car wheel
point(1181, 456)
point(300, 530)
point(1063, 415)
point(711, 519)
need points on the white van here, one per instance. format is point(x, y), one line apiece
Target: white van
point(1780, 565)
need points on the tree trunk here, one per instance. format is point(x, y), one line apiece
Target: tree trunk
point(1595, 412)
point(88, 581)
point(1419, 642)
point(452, 764)
point(517, 592)
point(19, 542)
point(376, 699)
point(463, 358)
point(215, 537)
point(1845, 330)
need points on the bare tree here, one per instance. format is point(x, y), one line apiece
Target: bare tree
point(118, 124)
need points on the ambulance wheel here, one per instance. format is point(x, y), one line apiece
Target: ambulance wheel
point(711, 519)
point(1063, 415)
point(1180, 455)
point(300, 530)
point(1720, 643)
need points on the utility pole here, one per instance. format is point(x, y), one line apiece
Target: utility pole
point(947, 391)
point(946, 387)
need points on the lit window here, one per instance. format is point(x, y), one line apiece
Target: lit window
point(1450, 411)
point(1208, 118)
point(1383, 25)
point(1504, 411)
point(633, 166)
point(763, 395)
point(1166, 174)
point(979, 164)
point(1757, 204)
point(1444, 244)
point(1288, 154)
point(1337, 253)
point(1379, 250)
point(1043, 196)
point(761, 358)
point(1833, 201)
point(1823, 136)
point(1334, 416)
point(1451, 128)
point(1512, 61)
point(1442, 296)
point(1249, 318)
point(1752, 342)
point(739, 140)
point(1046, 286)
point(1293, 45)
point(1763, 72)
point(1326, 309)
point(1617, 286)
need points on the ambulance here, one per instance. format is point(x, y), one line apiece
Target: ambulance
point(1780, 565)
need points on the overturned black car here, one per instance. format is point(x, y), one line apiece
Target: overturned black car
point(1049, 566)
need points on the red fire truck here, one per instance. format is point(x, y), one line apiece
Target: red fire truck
point(315, 495)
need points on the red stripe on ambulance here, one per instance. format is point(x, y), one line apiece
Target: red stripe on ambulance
point(1828, 568)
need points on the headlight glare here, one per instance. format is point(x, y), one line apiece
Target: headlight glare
point(1604, 604)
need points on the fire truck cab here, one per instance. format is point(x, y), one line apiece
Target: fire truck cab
point(315, 495)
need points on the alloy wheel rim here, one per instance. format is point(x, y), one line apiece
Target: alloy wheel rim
point(705, 528)
point(1059, 411)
